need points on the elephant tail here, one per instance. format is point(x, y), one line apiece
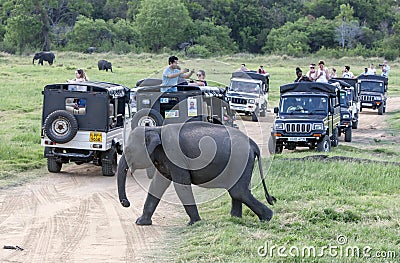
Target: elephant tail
point(121, 181)
point(270, 199)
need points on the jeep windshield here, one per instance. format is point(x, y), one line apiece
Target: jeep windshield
point(246, 87)
point(345, 98)
point(304, 105)
point(370, 86)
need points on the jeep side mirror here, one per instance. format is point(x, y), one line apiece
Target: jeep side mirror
point(276, 110)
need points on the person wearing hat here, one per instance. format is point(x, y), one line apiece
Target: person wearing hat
point(261, 70)
point(385, 69)
point(300, 76)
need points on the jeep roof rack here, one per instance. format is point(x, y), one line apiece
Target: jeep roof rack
point(309, 87)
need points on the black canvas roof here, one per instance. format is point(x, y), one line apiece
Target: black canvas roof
point(351, 81)
point(250, 75)
point(113, 89)
point(373, 77)
point(309, 87)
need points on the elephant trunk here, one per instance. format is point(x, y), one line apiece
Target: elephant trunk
point(33, 61)
point(121, 181)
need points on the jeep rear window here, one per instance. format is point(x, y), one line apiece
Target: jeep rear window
point(77, 106)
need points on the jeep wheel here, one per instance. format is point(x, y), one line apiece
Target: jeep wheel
point(355, 123)
point(60, 126)
point(109, 162)
point(347, 135)
point(324, 145)
point(380, 109)
point(53, 166)
point(255, 114)
point(335, 140)
point(274, 148)
point(263, 111)
point(146, 117)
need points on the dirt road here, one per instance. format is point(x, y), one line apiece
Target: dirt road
point(75, 216)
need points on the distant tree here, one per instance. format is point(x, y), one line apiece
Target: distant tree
point(347, 27)
point(163, 23)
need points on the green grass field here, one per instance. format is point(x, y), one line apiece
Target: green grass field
point(318, 202)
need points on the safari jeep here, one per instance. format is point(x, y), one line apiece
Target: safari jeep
point(84, 122)
point(308, 116)
point(248, 93)
point(373, 92)
point(351, 88)
point(158, 105)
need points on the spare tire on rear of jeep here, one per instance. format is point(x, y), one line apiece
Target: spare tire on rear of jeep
point(60, 126)
point(146, 117)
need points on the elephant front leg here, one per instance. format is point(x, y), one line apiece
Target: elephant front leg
point(183, 188)
point(157, 188)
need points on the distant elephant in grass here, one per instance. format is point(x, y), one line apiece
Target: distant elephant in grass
point(104, 65)
point(44, 56)
point(200, 153)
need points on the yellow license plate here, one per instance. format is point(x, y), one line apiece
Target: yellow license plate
point(96, 137)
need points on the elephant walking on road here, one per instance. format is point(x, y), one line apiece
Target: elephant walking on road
point(200, 153)
point(44, 56)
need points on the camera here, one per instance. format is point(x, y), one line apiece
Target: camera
point(380, 65)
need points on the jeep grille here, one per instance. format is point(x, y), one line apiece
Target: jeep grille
point(298, 127)
point(367, 98)
point(238, 101)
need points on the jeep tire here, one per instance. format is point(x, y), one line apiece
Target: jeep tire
point(354, 124)
point(324, 145)
point(335, 139)
point(53, 166)
point(60, 126)
point(380, 109)
point(255, 114)
point(109, 162)
point(348, 134)
point(146, 117)
point(263, 111)
point(273, 147)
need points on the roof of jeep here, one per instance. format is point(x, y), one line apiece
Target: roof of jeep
point(373, 78)
point(97, 85)
point(309, 87)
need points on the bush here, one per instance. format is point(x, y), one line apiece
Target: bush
point(199, 51)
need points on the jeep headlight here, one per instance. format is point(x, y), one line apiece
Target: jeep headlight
point(318, 126)
point(346, 116)
point(278, 126)
point(378, 98)
point(146, 101)
point(251, 101)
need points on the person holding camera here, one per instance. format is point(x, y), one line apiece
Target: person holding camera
point(172, 73)
point(385, 69)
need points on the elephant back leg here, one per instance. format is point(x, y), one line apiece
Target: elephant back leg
point(183, 188)
point(157, 188)
point(240, 193)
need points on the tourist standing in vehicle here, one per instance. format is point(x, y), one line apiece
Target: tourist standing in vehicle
point(80, 76)
point(347, 73)
point(311, 73)
point(300, 76)
point(322, 72)
point(243, 67)
point(172, 73)
point(201, 79)
point(371, 70)
point(333, 73)
point(385, 69)
point(261, 70)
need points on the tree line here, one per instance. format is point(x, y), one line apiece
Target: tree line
point(203, 28)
